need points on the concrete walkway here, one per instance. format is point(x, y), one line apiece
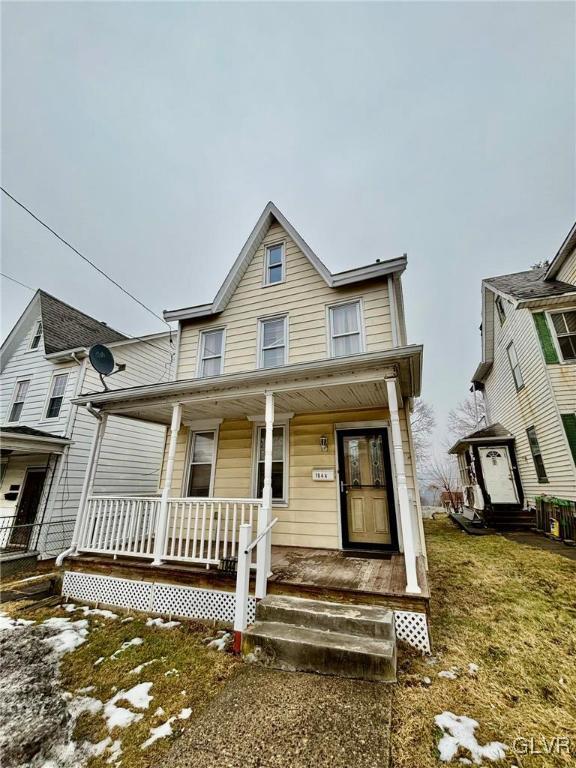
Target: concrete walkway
point(269, 719)
point(539, 541)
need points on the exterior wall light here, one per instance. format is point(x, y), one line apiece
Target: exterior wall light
point(324, 443)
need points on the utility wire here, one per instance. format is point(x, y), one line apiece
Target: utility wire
point(85, 258)
point(17, 282)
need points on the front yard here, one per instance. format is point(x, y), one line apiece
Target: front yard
point(511, 610)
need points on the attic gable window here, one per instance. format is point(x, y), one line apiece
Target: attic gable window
point(35, 342)
point(20, 393)
point(275, 264)
point(565, 327)
point(56, 395)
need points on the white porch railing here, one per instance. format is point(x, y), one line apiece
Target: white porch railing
point(198, 530)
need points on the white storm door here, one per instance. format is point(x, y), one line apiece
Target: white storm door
point(498, 476)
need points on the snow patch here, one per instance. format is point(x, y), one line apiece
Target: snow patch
point(140, 667)
point(449, 674)
point(458, 732)
point(127, 619)
point(220, 643)
point(126, 645)
point(71, 607)
point(159, 712)
point(88, 689)
point(161, 624)
point(185, 713)
point(7, 622)
point(161, 732)
point(82, 704)
point(171, 672)
point(138, 696)
point(473, 669)
point(71, 634)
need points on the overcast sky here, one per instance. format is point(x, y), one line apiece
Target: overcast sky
point(151, 135)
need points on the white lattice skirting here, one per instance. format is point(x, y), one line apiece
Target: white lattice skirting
point(412, 628)
point(153, 597)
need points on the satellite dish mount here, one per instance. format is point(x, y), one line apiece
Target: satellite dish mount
point(102, 360)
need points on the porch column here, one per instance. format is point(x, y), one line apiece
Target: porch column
point(264, 547)
point(162, 521)
point(88, 484)
point(403, 500)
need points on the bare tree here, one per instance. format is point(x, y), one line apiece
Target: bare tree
point(422, 422)
point(442, 477)
point(467, 416)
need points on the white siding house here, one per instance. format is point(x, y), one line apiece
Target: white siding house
point(46, 439)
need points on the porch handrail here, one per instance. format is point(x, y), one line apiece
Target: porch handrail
point(261, 535)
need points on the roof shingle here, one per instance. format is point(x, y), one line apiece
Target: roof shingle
point(529, 285)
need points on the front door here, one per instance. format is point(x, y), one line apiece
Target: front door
point(498, 476)
point(366, 492)
point(27, 508)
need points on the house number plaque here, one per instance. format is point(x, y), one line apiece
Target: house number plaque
point(323, 475)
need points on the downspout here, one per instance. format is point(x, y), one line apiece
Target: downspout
point(72, 548)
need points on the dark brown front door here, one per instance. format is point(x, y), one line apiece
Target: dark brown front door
point(27, 508)
point(366, 493)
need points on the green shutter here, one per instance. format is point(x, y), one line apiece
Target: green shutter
point(546, 342)
point(569, 421)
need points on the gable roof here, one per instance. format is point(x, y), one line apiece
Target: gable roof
point(63, 327)
point(488, 434)
point(530, 284)
point(270, 214)
point(564, 251)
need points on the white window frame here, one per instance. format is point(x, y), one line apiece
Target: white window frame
point(550, 322)
point(257, 427)
point(37, 326)
point(200, 356)
point(267, 248)
point(260, 339)
point(49, 396)
point(360, 314)
point(501, 312)
point(522, 384)
point(200, 429)
point(13, 400)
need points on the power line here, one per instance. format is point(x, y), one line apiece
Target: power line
point(86, 259)
point(17, 282)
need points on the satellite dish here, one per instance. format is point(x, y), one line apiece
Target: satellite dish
point(101, 359)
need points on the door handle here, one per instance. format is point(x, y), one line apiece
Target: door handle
point(341, 486)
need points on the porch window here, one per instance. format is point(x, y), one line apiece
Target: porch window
point(37, 335)
point(211, 353)
point(515, 366)
point(19, 398)
point(274, 271)
point(278, 462)
point(537, 455)
point(201, 474)
point(565, 327)
point(345, 329)
point(273, 334)
point(56, 395)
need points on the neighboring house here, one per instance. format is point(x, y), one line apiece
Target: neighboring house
point(528, 378)
point(45, 440)
point(290, 412)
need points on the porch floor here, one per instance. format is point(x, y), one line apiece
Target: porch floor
point(320, 574)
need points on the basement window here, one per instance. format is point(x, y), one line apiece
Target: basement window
point(537, 455)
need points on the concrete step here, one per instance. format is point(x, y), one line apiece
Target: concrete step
point(293, 648)
point(360, 620)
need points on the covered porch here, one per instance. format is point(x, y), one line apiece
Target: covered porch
point(277, 470)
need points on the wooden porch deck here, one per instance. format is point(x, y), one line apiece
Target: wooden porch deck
point(321, 574)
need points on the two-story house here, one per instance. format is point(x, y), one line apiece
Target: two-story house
point(528, 379)
point(290, 411)
point(45, 440)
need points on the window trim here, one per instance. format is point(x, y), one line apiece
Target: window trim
point(260, 339)
point(55, 373)
point(548, 314)
point(541, 478)
point(510, 346)
point(500, 309)
point(38, 324)
point(190, 452)
point(267, 248)
point(256, 427)
point(13, 400)
point(199, 356)
point(362, 329)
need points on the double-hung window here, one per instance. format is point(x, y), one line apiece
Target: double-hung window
point(20, 393)
point(211, 353)
point(565, 328)
point(345, 329)
point(56, 395)
point(201, 473)
point(36, 336)
point(279, 477)
point(501, 309)
point(274, 264)
point(537, 455)
point(273, 335)
point(515, 365)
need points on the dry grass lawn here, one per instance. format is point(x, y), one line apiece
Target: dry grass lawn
point(511, 610)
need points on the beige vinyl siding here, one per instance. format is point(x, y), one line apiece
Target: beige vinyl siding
point(534, 405)
point(304, 296)
point(311, 517)
point(568, 272)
